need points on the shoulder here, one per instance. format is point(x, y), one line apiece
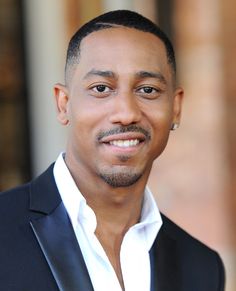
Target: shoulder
point(183, 238)
point(18, 195)
point(16, 201)
point(197, 259)
point(14, 195)
point(13, 203)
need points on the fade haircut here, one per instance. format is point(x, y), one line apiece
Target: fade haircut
point(111, 19)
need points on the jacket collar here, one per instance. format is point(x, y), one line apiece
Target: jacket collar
point(44, 195)
point(55, 235)
point(165, 273)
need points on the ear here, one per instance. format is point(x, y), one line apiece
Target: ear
point(61, 98)
point(177, 105)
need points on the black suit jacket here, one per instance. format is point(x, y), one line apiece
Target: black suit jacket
point(39, 250)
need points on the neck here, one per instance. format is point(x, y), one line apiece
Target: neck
point(117, 208)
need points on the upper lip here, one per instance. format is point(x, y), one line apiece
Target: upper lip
point(123, 136)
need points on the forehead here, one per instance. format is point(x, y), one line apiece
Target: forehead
point(122, 49)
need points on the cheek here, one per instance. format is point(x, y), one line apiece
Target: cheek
point(161, 117)
point(84, 107)
point(84, 120)
point(161, 121)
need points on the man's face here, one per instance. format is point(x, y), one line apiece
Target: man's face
point(120, 104)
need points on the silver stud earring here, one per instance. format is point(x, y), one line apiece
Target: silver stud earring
point(174, 126)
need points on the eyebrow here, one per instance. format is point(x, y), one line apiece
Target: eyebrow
point(154, 75)
point(106, 74)
point(140, 75)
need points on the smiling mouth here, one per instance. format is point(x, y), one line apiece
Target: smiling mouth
point(125, 143)
point(126, 139)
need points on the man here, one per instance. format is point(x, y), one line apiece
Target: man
point(89, 222)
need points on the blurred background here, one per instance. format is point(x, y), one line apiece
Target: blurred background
point(194, 181)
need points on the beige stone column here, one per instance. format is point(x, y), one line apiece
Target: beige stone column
point(80, 11)
point(147, 8)
point(228, 42)
point(45, 56)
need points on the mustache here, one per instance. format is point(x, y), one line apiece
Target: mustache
point(123, 129)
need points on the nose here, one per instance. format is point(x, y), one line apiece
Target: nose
point(125, 109)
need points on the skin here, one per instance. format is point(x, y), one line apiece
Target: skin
point(120, 81)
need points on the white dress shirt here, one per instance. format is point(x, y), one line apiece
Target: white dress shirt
point(134, 253)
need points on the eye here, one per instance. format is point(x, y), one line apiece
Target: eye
point(101, 89)
point(147, 90)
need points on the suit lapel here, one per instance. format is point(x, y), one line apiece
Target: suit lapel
point(165, 274)
point(55, 235)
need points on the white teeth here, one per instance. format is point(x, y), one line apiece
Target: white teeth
point(125, 143)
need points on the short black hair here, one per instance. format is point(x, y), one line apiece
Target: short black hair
point(111, 19)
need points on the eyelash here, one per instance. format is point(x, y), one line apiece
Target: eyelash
point(103, 86)
point(106, 90)
point(153, 94)
point(153, 90)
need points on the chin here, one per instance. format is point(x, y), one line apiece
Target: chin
point(125, 178)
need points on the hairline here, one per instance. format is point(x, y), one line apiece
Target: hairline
point(73, 61)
